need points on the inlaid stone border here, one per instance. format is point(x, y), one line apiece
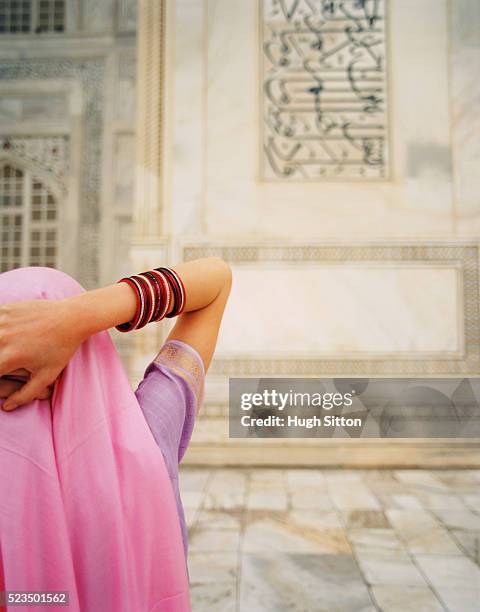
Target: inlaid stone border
point(463, 256)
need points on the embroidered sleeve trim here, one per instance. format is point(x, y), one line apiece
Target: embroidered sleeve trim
point(184, 362)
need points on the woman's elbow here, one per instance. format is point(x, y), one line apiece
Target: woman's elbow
point(224, 270)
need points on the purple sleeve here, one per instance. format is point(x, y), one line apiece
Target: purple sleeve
point(170, 396)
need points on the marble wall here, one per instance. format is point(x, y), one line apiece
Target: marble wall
point(418, 199)
point(393, 298)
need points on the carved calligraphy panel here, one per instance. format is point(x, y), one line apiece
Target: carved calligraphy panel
point(324, 98)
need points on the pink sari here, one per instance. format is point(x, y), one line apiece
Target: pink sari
point(86, 504)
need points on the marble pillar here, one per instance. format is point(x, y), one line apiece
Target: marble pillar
point(149, 245)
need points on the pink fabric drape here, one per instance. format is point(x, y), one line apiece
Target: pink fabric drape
point(86, 505)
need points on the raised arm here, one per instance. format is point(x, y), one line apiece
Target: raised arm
point(41, 336)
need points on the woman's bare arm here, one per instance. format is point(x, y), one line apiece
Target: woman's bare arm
point(199, 324)
point(42, 335)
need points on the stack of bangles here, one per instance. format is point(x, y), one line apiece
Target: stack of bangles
point(156, 290)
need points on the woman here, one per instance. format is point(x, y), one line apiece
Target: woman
point(89, 503)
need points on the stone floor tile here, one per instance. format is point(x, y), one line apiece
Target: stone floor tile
point(302, 478)
point(469, 541)
point(267, 500)
point(452, 571)
point(322, 528)
point(212, 539)
point(194, 479)
point(366, 539)
point(342, 476)
point(191, 515)
point(230, 475)
point(281, 534)
point(441, 501)
point(192, 499)
point(223, 483)
point(421, 533)
point(257, 486)
point(224, 500)
point(406, 599)
point(457, 480)
point(385, 498)
point(267, 476)
point(394, 569)
point(407, 501)
point(207, 567)
point(351, 495)
point(327, 519)
point(380, 476)
point(458, 519)
point(310, 498)
point(211, 519)
point(301, 583)
point(374, 519)
point(420, 478)
point(460, 600)
point(213, 597)
point(472, 501)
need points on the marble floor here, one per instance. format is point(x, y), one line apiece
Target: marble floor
point(333, 540)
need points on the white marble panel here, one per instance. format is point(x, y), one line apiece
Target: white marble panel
point(419, 83)
point(121, 256)
point(187, 118)
point(465, 66)
point(311, 310)
point(124, 169)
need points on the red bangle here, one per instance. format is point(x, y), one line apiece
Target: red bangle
point(167, 289)
point(175, 293)
point(181, 286)
point(128, 326)
point(147, 298)
point(155, 292)
point(178, 290)
point(152, 279)
point(164, 273)
point(152, 298)
point(162, 293)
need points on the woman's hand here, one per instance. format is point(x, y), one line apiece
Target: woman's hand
point(7, 386)
point(42, 335)
point(39, 336)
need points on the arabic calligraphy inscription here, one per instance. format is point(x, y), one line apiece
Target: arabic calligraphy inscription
point(324, 90)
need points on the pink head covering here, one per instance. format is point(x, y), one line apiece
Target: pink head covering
point(86, 505)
